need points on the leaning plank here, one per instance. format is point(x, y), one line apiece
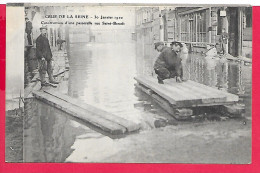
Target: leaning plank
point(60, 72)
point(144, 89)
point(164, 104)
point(104, 124)
point(129, 125)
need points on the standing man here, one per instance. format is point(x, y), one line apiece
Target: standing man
point(168, 64)
point(28, 30)
point(60, 42)
point(223, 40)
point(44, 56)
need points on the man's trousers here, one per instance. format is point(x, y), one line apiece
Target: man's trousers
point(45, 66)
point(164, 73)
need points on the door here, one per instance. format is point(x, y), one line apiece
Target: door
point(233, 31)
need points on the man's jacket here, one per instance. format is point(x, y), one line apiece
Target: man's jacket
point(170, 60)
point(28, 28)
point(43, 49)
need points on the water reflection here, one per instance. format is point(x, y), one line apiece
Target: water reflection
point(234, 77)
point(102, 75)
point(48, 133)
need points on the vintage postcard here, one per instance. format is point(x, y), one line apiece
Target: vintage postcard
point(127, 83)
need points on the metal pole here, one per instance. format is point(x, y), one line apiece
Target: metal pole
point(209, 24)
point(240, 29)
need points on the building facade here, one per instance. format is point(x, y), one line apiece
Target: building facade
point(197, 27)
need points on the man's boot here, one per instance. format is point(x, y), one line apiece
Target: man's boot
point(160, 81)
point(51, 79)
point(42, 77)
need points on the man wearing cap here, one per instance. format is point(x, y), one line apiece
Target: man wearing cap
point(44, 55)
point(168, 64)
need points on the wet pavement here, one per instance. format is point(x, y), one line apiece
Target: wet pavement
point(102, 75)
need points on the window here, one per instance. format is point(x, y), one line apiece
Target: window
point(201, 27)
point(193, 27)
point(184, 35)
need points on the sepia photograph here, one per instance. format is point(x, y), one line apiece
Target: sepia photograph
point(128, 83)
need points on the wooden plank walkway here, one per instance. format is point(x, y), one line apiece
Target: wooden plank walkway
point(188, 93)
point(104, 120)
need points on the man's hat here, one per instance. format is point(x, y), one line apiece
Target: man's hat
point(158, 44)
point(43, 27)
point(176, 43)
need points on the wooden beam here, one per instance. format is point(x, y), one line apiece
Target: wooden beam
point(97, 117)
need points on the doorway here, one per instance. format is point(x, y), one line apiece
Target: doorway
point(233, 31)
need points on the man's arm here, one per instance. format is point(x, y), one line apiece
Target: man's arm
point(30, 25)
point(160, 62)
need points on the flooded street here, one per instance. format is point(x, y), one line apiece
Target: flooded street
point(102, 75)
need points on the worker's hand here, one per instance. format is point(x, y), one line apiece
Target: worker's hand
point(43, 59)
point(178, 79)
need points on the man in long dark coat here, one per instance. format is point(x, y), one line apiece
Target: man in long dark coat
point(168, 64)
point(44, 55)
point(28, 30)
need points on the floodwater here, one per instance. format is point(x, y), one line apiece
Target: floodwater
point(101, 74)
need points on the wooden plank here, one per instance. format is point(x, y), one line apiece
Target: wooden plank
point(172, 96)
point(184, 112)
point(80, 113)
point(234, 109)
point(212, 104)
point(229, 97)
point(164, 104)
point(146, 90)
point(203, 92)
point(175, 87)
point(159, 88)
point(129, 125)
point(219, 96)
point(188, 93)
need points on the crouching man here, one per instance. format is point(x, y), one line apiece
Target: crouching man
point(168, 64)
point(44, 56)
